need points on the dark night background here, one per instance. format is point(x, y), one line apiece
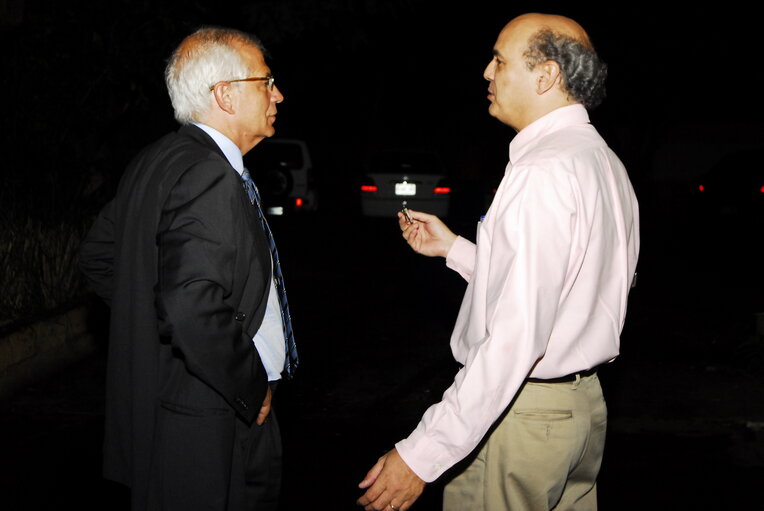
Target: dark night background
point(84, 92)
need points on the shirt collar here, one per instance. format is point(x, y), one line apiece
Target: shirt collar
point(553, 121)
point(230, 150)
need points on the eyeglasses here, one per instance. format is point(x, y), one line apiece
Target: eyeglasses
point(270, 79)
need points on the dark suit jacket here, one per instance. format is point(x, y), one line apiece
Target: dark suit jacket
point(181, 258)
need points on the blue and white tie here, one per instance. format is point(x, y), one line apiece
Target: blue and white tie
point(291, 362)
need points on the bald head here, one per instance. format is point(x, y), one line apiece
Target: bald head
point(534, 22)
point(542, 62)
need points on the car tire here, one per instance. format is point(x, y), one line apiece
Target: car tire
point(275, 184)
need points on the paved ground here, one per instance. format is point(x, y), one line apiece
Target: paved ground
point(685, 397)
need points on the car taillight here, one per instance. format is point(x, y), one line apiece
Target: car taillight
point(298, 202)
point(368, 188)
point(443, 187)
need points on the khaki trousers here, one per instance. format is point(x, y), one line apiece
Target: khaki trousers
point(544, 454)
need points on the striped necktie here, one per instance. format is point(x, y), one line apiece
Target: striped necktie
point(291, 362)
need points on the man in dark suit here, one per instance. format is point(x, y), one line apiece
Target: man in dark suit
point(200, 331)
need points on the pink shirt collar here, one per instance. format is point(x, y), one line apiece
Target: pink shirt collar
point(555, 120)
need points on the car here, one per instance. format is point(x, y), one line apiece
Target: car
point(282, 169)
point(416, 179)
point(723, 238)
point(732, 191)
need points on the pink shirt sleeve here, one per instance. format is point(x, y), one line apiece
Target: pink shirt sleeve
point(461, 257)
point(516, 275)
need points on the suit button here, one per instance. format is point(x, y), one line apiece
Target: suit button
point(240, 316)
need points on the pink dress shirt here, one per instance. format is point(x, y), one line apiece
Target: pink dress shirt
point(548, 279)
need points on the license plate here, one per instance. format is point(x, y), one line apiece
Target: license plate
point(405, 188)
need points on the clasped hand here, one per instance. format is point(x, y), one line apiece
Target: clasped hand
point(391, 485)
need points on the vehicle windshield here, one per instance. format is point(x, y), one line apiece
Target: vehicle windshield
point(414, 163)
point(279, 155)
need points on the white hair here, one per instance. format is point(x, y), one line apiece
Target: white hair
point(203, 59)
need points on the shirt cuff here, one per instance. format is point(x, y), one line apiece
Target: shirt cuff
point(461, 257)
point(422, 461)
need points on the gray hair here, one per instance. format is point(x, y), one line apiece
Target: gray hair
point(203, 59)
point(583, 72)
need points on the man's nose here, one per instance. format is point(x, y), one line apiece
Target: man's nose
point(488, 73)
point(277, 96)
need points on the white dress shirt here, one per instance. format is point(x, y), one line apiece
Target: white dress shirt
point(548, 279)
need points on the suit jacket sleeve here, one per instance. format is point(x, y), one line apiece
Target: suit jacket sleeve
point(199, 240)
point(97, 254)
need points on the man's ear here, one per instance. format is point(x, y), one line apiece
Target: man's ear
point(548, 75)
point(223, 93)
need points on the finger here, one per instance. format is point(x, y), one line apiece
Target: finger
point(381, 501)
point(418, 215)
point(402, 222)
point(414, 238)
point(372, 475)
point(409, 230)
point(265, 410)
point(377, 506)
point(371, 495)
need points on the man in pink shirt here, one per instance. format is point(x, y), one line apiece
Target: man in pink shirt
point(548, 282)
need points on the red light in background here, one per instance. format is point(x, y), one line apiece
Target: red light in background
point(761, 189)
point(298, 202)
point(368, 188)
point(702, 188)
point(442, 189)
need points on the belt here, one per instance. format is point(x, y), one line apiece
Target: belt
point(568, 378)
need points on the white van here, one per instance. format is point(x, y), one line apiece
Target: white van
point(283, 171)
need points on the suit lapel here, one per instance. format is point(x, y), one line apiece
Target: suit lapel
point(199, 136)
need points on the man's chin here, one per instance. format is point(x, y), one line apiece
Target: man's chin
point(500, 116)
point(254, 143)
